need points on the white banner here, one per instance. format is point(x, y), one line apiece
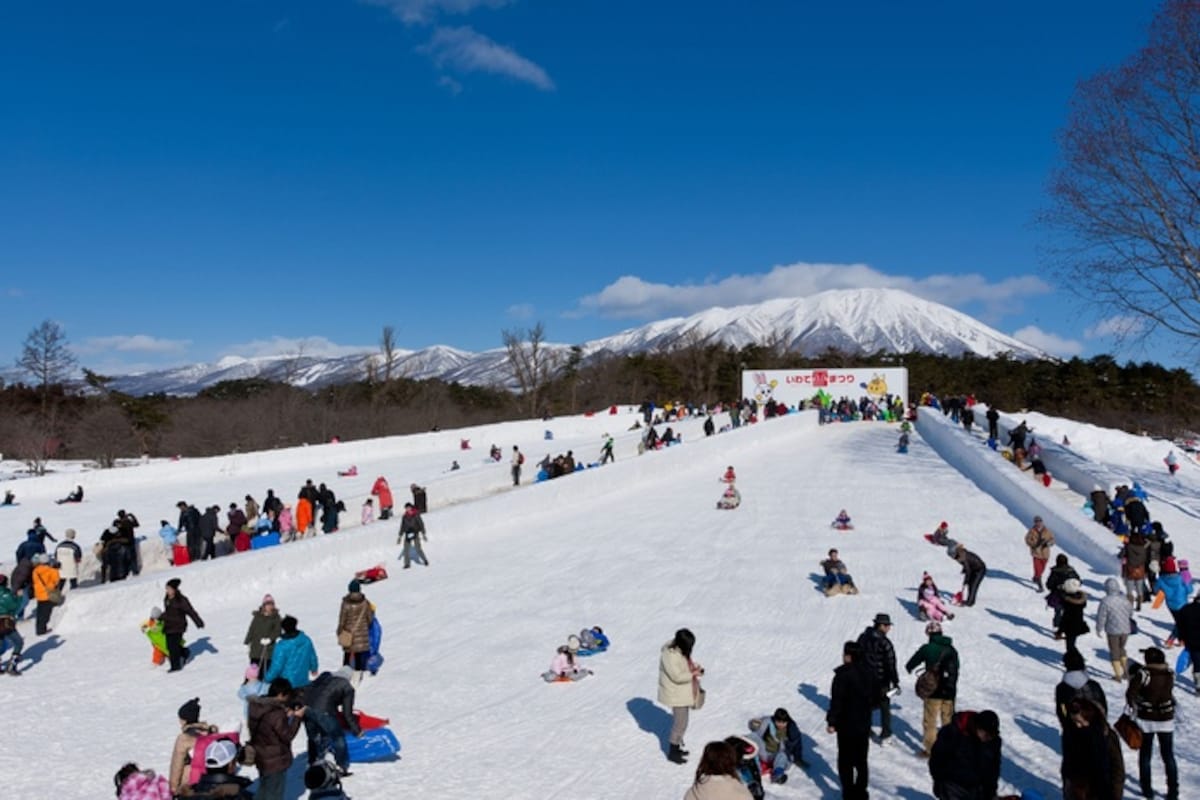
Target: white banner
point(791, 386)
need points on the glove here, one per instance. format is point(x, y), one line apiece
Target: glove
point(264, 641)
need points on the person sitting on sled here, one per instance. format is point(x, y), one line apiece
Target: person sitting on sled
point(841, 521)
point(563, 667)
point(593, 639)
point(837, 577)
point(929, 601)
point(941, 536)
point(902, 444)
point(10, 498)
point(729, 476)
point(730, 499)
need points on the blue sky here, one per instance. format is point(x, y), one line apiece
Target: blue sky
point(185, 181)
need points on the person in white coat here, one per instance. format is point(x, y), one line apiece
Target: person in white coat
point(1114, 619)
point(717, 776)
point(679, 688)
point(69, 556)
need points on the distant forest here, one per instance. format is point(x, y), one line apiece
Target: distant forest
point(103, 426)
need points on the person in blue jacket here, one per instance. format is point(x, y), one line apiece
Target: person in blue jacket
point(31, 547)
point(294, 657)
point(1175, 593)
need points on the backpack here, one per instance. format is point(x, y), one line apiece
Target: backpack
point(929, 680)
point(520, 458)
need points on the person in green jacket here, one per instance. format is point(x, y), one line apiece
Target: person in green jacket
point(9, 603)
point(263, 632)
point(937, 655)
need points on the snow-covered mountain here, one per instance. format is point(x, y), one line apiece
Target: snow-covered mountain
point(850, 320)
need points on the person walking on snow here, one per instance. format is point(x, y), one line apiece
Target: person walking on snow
point(412, 533)
point(880, 657)
point(265, 628)
point(965, 760)
point(354, 629)
point(851, 705)
point(45, 582)
point(939, 657)
point(517, 460)
point(1072, 625)
point(1114, 619)
point(8, 627)
point(69, 556)
point(1151, 694)
point(1039, 539)
point(606, 452)
point(993, 421)
point(177, 609)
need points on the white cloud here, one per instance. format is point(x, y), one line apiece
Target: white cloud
point(1118, 327)
point(630, 296)
point(316, 346)
point(1052, 343)
point(450, 85)
point(520, 311)
point(413, 12)
point(137, 343)
point(465, 50)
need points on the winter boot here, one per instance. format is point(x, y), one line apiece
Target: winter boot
point(12, 665)
point(676, 755)
point(1038, 581)
point(1118, 670)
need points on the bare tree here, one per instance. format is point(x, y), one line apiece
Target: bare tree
point(387, 348)
point(46, 357)
point(532, 362)
point(1127, 194)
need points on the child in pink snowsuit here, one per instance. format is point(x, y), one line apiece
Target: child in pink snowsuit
point(932, 605)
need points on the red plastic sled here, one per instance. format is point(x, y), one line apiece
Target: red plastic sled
point(375, 573)
point(181, 555)
point(365, 721)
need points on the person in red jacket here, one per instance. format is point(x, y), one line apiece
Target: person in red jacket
point(384, 493)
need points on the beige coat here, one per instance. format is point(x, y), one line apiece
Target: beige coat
point(675, 687)
point(1039, 542)
point(181, 756)
point(356, 616)
point(718, 787)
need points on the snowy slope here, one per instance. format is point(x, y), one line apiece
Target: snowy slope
point(636, 547)
point(851, 320)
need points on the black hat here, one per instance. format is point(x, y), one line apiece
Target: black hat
point(883, 619)
point(174, 583)
point(852, 649)
point(354, 586)
point(1154, 655)
point(288, 625)
point(189, 712)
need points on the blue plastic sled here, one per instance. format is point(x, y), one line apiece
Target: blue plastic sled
point(375, 745)
point(584, 651)
point(266, 540)
point(1183, 662)
point(375, 633)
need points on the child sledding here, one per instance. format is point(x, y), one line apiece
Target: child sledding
point(731, 498)
point(592, 641)
point(564, 669)
point(837, 578)
point(842, 522)
point(930, 605)
point(902, 442)
point(940, 536)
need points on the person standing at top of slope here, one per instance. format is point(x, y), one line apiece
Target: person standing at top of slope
point(974, 571)
point(517, 460)
point(880, 657)
point(381, 490)
point(420, 499)
point(177, 609)
point(678, 687)
point(851, 705)
point(993, 421)
point(189, 528)
point(1039, 539)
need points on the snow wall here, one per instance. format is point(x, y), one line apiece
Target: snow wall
point(1016, 490)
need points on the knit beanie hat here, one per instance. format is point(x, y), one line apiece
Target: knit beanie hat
point(69, 533)
point(189, 712)
point(252, 672)
point(288, 625)
point(155, 612)
point(268, 600)
point(354, 586)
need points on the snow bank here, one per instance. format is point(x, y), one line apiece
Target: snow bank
point(1017, 492)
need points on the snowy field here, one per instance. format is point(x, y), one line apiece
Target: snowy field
point(636, 547)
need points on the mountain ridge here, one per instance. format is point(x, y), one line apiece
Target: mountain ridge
point(849, 320)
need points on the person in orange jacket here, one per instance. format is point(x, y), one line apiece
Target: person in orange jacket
point(384, 493)
point(45, 579)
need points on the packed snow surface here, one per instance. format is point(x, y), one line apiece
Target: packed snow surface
point(637, 547)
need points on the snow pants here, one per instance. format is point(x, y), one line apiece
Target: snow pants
point(324, 733)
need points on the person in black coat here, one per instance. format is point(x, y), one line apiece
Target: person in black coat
point(1076, 684)
point(879, 656)
point(209, 525)
point(974, 571)
point(189, 529)
point(965, 762)
point(329, 696)
point(176, 611)
point(272, 503)
point(852, 699)
point(993, 420)
point(1187, 628)
point(419, 498)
